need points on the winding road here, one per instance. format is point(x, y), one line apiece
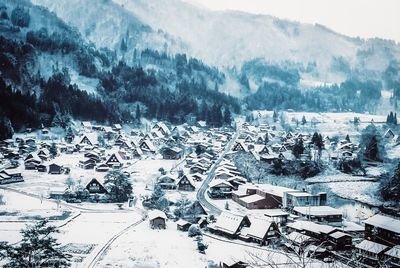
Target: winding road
point(203, 188)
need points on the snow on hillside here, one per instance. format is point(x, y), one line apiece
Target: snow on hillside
point(105, 24)
point(222, 38)
point(231, 37)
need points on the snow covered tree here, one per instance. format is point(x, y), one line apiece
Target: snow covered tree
point(118, 186)
point(61, 120)
point(201, 246)
point(157, 199)
point(194, 230)
point(69, 182)
point(226, 205)
point(38, 248)
point(2, 201)
point(182, 206)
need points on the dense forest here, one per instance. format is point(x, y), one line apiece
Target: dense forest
point(182, 89)
point(151, 84)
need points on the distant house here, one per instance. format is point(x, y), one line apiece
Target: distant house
point(232, 263)
point(340, 240)
point(201, 124)
point(88, 140)
point(240, 147)
point(183, 225)
point(229, 225)
point(136, 152)
point(157, 219)
point(162, 128)
point(167, 182)
point(319, 213)
point(55, 169)
point(102, 168)
point(114, 161)
point(86, 124)
point(186, 183)
point(389, 134)
point(392, 257)
point(87, 163)
point(296, 241)
point(383, 229)
point(44, 153)
point(116, 127)
point(172, 153)
point(278, 216)
point(260, 232)
point(220, 189)
point(95, 187)
point(198, 168)
point(10, 176)
point(371, 253)
point(41, 168)
point(147, 146)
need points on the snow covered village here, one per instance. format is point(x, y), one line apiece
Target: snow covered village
point(124, 144)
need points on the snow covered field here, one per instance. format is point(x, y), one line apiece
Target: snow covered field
point(145, 247)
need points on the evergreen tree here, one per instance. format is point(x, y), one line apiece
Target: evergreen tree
point(38, 248)
point(275, 116)
point(4, 15)
point(348, 138)
point(227, 117)
point(157, 199)
point(266, 138)
point(303, 120)
point(6, 129)
point(390, 188)
point(118, 186)
point(298, 148)
point(124, 46)
point(53, 150)
point(20, 17)
point(371, 144)
point(138, 113)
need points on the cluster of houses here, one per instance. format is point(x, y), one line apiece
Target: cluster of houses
point(267, 144)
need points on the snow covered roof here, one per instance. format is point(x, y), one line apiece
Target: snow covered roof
point(217, 182)
point(338, 235)
point(154, 214)
point(181, 222)
point(252, 198)
point(370, 246)
point(317, 210)
point(311, 226)
point(258, 228)
point(228, 223)
point(394, 252)
point(384, 222)
point(298, 237)
point(275, 212)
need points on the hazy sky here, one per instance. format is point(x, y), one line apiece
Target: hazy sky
point(364, 18)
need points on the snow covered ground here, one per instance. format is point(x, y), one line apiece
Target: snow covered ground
point(145, 247)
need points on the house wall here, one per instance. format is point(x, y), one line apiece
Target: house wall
point(381, 236)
